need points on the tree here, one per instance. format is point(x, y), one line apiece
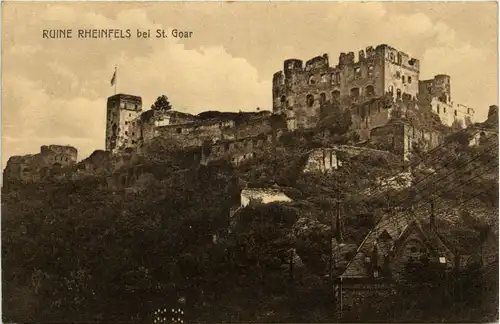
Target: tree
point(161, 104)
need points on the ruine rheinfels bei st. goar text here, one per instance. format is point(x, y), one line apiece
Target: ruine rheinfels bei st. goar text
point(115, 33)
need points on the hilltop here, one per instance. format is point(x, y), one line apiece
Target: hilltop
point(220, 256)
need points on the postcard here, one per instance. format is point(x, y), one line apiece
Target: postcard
point(243, 162)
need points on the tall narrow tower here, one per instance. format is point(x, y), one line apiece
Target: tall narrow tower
point(122, 122)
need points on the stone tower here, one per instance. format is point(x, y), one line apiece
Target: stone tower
point(122, 122)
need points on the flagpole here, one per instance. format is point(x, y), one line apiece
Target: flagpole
point(116, 78)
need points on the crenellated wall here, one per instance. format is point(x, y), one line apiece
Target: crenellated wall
point(304, 88)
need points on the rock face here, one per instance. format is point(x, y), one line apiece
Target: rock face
point(262, 195)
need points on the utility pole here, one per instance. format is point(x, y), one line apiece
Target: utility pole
point(433, 217)
point(338, 222)
point(330, 237)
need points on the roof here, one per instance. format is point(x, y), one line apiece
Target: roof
point(394, 226)
point(388, 235)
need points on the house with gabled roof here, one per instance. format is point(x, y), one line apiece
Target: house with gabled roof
point(399, 250)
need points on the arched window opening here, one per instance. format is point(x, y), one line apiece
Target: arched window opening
point(335, 95)
point(283, 100)
point(370, 91)
point(355, 92)
point(311, 80)
point(310, 100)
point(398, 93)
point(322, 98)
point(391, 90)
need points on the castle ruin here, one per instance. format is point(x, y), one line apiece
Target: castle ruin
point(300, 91)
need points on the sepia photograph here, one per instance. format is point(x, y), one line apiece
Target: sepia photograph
point(249, 162)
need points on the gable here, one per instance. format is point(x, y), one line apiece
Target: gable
point(390, 237)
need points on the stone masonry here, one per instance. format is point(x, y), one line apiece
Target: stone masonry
point(302, 89)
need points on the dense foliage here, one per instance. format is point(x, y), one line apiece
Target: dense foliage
point(81, 250)
point(161, 104)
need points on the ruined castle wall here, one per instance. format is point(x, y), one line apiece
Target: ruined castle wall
point(33, 167)
point(375, 73)
point(236, 151)
point(98, 162)
point(248, 129)
point(451, 114)
point(435, 94)
point(390, 138)
point(363, 79)
point(374, 113)
point(62, 155)
point(321, 160)
point(190, 134)
point(304, 89)
point(401, 74)
point(402, 138)
point(20, 168)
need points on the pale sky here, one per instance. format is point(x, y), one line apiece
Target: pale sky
point(55, 91)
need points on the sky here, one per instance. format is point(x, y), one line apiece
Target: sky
point(54, 91)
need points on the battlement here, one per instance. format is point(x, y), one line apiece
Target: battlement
point(382, 51)
point(58, 149)
point(318, 62)
point(292, 64)
point(125, 101)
